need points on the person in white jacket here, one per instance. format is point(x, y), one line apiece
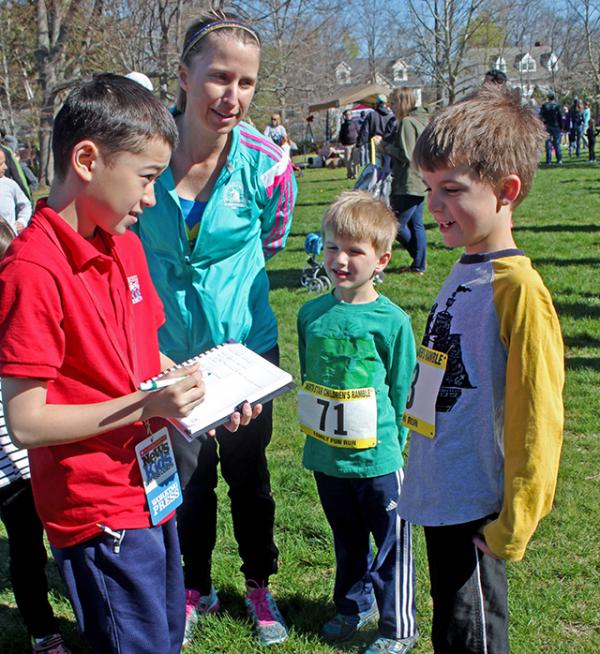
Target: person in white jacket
point(15, 207)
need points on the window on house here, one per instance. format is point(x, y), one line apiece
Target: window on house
point(500, 64)
point(527, 64)
point(400, 73)
point(342, 76)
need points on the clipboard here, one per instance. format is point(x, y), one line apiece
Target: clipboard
point(233, 374)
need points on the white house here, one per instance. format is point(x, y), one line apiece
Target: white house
point(390, 72)
point(526, 68)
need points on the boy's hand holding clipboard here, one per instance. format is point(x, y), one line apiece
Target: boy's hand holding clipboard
point(226, 385)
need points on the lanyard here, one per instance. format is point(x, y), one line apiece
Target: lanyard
point(129, 366)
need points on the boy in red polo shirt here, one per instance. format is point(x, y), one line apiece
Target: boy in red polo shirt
point(78, 333)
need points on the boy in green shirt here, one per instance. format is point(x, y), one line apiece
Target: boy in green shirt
point(357, 354)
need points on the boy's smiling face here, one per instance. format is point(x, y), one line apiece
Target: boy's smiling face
point(119, 189)
point(468, 211)
point(351, 264)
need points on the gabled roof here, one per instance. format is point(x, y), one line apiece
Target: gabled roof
point(478, 60)
point(384, 66)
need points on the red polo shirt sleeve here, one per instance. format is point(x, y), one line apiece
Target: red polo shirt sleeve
point(32, 341)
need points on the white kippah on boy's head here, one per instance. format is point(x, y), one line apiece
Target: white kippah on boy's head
point(141, 79)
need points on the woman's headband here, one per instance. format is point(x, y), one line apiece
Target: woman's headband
point(211, 27)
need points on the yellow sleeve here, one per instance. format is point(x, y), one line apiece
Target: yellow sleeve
point(533, 409)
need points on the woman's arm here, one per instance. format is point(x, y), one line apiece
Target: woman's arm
point(276, 215)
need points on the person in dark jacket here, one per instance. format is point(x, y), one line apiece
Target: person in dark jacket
point(347, 137)
point(551, 116)
point(592, 132)
point(576, 118)
point(379, 122)
point(408, 191)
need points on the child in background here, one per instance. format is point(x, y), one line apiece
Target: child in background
point(15, 206)
point(486, 399)
point(25, 533)
point(357, 353)
point(79, 321)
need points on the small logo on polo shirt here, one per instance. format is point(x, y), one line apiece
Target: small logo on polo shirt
point(134, 289)
point(234, 196)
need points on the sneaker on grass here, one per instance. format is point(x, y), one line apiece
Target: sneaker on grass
point(391, 646)
point(262, 609)
point(197, 605)
point(52, 644)
point(343, 627)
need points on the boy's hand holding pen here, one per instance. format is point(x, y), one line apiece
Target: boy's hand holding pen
point(174, 394)
point(156, 385)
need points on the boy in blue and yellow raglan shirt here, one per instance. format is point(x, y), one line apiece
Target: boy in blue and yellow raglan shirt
point(357, 354)
point(485, 402)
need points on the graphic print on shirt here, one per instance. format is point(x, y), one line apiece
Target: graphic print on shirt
point(439, 337)
point(340, 410)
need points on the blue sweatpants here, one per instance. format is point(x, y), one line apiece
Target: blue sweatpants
point(129, 601)
point(356, 509)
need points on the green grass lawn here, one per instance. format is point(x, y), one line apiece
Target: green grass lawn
point(555, 591)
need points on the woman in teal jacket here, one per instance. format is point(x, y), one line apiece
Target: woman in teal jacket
point(224, 206)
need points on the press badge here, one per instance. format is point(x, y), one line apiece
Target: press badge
point(424, 388)
point(339, 417)
point(159, 474)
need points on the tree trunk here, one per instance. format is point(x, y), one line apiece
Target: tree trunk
point(5, 25)
point(45, 131)
point(7, 94)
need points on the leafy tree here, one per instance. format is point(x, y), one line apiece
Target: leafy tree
point(485, 33)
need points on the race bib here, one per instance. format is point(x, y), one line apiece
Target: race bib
point(424, 388)
point(159, 474)
point(341, 418)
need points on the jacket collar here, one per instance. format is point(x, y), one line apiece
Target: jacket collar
point(167, 181)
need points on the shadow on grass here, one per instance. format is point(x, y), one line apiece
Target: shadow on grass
point(325, 203)
point(288, 278)
point(441, 246)
point(307, 617)
point(571, 163)
point(303, 615)
point(289, 248)
point(581, 340)
point(553, 261)
point(577, 309)
point(323, 180)
point(14, 638)
point(557, 228)
point(583, 363)
point(302, 235)
point(11, 624)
